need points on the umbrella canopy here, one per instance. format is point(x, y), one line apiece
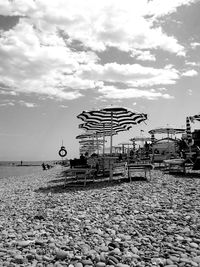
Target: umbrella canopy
point(141, 139)
point(101, 127)
point(166, 130)
point(105, 128)
point(118, 115)
point(91, 142)
point(195, 117)
point(113, 115)
point(85, 135)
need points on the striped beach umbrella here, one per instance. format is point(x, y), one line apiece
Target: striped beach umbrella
point(101, 127)
point(195, 117)
point(90, 141)
point(105, 128)
point(141, 138)
point(166, 130)
point(85, 135)
point(113, 115)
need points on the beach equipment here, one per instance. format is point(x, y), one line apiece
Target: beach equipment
point(195, 117)
point(62, 152)
point(167, 130)
point(190, 141)
point(165, 147)
point(140, 139)
point(85, 135)
point(153, 138)
point(105, 129)
point(114, 115)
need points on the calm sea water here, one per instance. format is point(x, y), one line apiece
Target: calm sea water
point(8, 169)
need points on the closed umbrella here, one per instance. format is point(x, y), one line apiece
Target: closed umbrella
point(188, 132)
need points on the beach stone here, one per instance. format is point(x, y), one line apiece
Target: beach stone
point(122, 265)
point(87, 262)
point(61, 254)
point(104, 248)
point(18, 259)
point(196, 259)
point(100, 264)
point(78, 264)
point(194, 245)
point(30, 257)
point(24, 243)
point(194, 264)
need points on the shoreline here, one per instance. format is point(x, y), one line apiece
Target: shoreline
point(154, 223)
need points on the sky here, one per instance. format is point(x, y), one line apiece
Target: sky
point(58, 58)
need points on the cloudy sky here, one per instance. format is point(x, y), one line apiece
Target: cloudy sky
point(61, 57)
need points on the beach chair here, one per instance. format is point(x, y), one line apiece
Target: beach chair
point(80, 176)
point(175, 165)
point(120, 169)
point(134, 168)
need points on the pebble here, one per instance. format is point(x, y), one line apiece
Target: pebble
point(134, 224)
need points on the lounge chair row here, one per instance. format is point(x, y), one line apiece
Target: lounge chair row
point(120, 171)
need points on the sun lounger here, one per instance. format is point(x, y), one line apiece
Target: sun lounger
point(120, 168)
point(139, 167)
point(175, 165)
point(80, 176)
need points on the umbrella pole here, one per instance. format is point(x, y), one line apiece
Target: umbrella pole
point(111, 167)
point(97, 144)
point(111, 134)
point(103, 149)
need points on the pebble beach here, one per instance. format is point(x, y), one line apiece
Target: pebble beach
point(142, 223)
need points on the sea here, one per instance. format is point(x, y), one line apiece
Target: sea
point(15, 168)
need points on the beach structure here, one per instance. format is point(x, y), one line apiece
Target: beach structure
point(166, 147)
point(114, 115)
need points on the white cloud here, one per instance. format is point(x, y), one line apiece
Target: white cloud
point(27, 104)
point(195, 44)
point(112, 92)
point(190, 73)
point(143, 55)
point(63, 106)
point(7, 103)
point(37, 55)
point(190, 92)
point(134, 75)
point(28, 66)
point(195, 64)
point(159, 8)
point(6, 92)
point(103, 24)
